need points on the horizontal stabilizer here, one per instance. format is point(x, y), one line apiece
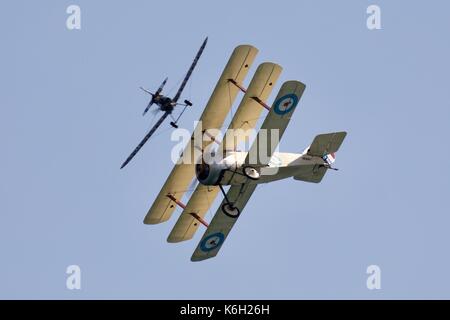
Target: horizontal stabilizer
point(327, 143)
point(312, 173)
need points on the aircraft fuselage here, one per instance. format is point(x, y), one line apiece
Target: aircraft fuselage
point(282, 165)
point(164, 103)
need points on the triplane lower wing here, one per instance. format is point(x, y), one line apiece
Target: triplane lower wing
point(238, 194)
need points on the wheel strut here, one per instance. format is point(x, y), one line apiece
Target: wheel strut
point(225, 196)
point(228, 208)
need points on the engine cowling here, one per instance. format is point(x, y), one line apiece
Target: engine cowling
point(212, 171)
point(209, 174)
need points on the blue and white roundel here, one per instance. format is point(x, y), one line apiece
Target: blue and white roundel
point(212, 241)
point(285, 104)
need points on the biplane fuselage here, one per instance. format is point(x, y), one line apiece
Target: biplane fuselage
point(164, 103)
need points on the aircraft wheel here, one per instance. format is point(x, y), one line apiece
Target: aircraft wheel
point(187, 102)
point(230, 210)
point(251, 173)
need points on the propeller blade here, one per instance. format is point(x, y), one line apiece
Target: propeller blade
point(141, 144)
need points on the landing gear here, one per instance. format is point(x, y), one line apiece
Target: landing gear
point(251, 173)
point(230, 210)
point(228, 207)
point(186, 104)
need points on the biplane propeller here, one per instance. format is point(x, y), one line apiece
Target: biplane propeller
point(166, 104)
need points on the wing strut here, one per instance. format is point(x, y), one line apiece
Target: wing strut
point(257, 99)
point(182, 205)
point(149, 134)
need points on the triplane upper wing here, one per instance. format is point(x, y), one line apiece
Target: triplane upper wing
point(213, 116)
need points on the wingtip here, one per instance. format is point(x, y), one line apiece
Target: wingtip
point(173, 239)
point(199, 257)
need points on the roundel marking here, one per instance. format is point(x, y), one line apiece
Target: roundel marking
point(285, 104)
point(212, 241)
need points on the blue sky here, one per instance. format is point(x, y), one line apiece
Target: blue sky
point(71, 113)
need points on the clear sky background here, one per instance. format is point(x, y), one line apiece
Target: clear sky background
point(71, 113)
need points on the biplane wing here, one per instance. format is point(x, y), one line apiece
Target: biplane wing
point(221, 224)
point(213, 116)
point(277, 119)
point(245, 118)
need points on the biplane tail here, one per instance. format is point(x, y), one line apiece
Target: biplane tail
point(324, 146)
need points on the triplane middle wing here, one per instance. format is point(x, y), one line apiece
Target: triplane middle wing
point(245, 119)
